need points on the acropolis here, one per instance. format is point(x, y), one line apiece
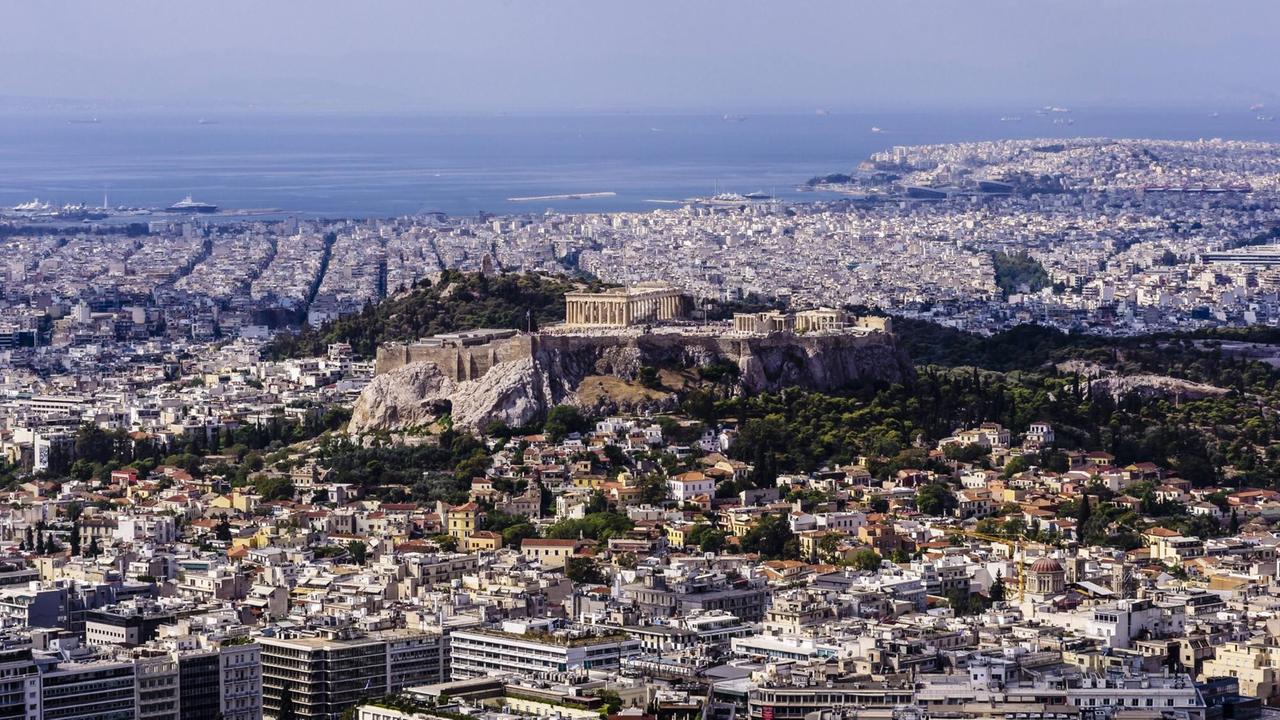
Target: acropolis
point(648, 314)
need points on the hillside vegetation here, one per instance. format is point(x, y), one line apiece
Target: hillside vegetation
point(457, 301)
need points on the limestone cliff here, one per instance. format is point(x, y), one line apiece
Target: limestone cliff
point(418, 394)
point(519, 391)
point(1149, 387)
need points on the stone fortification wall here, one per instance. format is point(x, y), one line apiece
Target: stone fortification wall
point(456, 362)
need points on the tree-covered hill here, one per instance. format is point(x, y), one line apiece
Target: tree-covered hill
point(457, 301)
point(1194, 356)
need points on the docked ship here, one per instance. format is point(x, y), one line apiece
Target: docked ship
point(729, 198)
point(187, 205)
point(34, 207)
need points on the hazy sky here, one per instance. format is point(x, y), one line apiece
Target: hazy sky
point(744, 55)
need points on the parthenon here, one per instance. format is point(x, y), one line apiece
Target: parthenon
point(620, 307)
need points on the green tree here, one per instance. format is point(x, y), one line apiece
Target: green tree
point(474, 466)
point(649, 378)
point(699, 404)
point(828, 545)
point(653, 489)
point(513, 535)
point(935, 499)
point(595, 526)
point(583, 570)
point(222, 531)
point(95, 445)
point(997, 588)
point(359, 551)
point(1014, 527)
point(866, 559)
point(612, 700)
point(771, 537)
point(968, 453)
point(562, 421)
point(760, 441)
point(964, 603)
point(1016, 465)
point(274, 487)
point(707, 538)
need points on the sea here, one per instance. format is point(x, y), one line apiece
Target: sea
point(354, 165)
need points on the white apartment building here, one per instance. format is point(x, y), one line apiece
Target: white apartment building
point(241, 671)
point(477, 653)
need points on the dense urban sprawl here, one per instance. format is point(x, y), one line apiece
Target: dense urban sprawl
point(188, 530)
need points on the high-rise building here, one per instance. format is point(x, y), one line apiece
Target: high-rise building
point(186, 678)
point(93, 690)
point(200, 684)
point(320, 677)
point(241, 677)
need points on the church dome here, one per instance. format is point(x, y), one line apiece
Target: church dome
point(1046, 565)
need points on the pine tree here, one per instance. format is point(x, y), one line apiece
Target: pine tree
point(1235, 522)
point(1082, 517)
point(222, 531)
point(94, 550)
point(75, 538)
point(997, 588)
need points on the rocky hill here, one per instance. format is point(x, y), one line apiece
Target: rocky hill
point(519, 391)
